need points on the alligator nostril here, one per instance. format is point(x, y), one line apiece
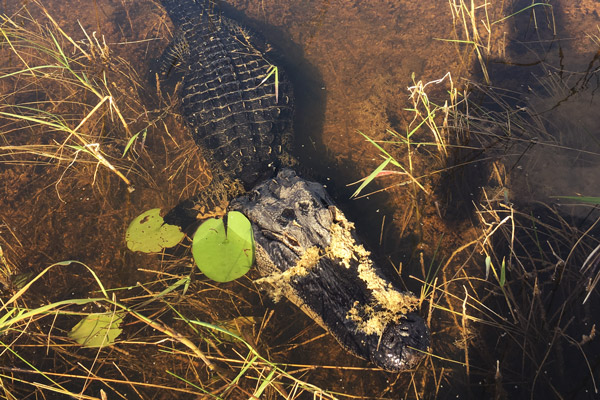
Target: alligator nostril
point(288, 214)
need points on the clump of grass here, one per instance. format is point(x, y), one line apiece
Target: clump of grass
point(509, 298)
point(41, 65)
point(540, 303)
point(524, 293)
point(429, 121)
point(198, 358)
point(476, 27)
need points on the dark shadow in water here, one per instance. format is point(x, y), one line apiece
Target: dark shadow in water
point(535, 68)
point(314, 162)
point(541, 83)
point(308, 91)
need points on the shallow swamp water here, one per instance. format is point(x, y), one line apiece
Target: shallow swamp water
point(520, 143)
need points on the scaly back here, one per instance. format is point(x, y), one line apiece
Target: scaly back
point(233, 112)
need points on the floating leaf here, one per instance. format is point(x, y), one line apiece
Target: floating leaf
point(148, 233)
point(224, 253)
point(97, 329)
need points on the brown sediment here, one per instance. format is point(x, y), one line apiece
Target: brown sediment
point(365, 51)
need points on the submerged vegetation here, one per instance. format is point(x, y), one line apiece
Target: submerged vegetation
point(511, 303)
point(517, 292)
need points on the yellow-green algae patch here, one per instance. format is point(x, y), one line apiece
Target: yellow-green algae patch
point(389, 304)
point(280, 281)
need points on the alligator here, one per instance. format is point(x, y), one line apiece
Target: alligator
point(306, 249)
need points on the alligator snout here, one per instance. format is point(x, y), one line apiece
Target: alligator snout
point(402, 344)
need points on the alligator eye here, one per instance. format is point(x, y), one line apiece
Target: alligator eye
point(253, 196)
point(304, 205)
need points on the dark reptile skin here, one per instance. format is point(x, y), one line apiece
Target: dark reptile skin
point(291, 215)
point(232, 113)
point(242, 126)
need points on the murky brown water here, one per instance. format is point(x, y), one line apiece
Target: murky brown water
point(351, 63)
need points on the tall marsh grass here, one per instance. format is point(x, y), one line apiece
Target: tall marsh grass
point(513, 297)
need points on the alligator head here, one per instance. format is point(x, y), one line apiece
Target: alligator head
point(309, 252)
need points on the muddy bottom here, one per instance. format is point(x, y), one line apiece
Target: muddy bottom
point(351, 64)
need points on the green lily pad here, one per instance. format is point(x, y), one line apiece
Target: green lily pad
point(148, 233)
point(224, 253)
point(97, 329)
